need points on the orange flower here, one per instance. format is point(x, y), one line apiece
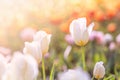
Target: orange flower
point(111, 27)
point(99, 16)
point(111, 13)
point(65, 26)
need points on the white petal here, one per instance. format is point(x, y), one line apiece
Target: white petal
point(77, 33)
point(39, 35)
point(85, 36)
point(90, 28)
point(49, 38)
point(34, 49)
point(71, 27)
point(82, 23)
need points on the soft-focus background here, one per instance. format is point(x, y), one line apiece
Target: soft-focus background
point(20, 19)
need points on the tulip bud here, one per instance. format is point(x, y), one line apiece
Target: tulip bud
point(44, 39)
point(80, 32)
point(99, 70)
point(34, 49)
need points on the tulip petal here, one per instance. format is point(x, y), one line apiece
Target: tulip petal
point(77, 33)
point(90, 28)
point(85, 36)
point(39, 35)
point(82, 23)
point(71, 27)
point(44, 44)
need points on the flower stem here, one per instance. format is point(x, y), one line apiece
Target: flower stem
point(83, 58)
point(43, 69)
point(52, 72)
point(92, 78)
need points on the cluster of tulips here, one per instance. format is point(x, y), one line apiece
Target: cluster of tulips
point(25, 65)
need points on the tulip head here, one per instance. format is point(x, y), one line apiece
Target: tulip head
point(99, 70)
point(34, 49)
point(24, 67)
point(80, 32)
point(44, 40)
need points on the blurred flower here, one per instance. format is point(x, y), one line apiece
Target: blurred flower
point(67, 51)
point(97, 36)
point(47, 30)
point(80, 32)
point(99, 70)
point(69, 39)
point(111, 13)
point(3, 65)
point(107, 38)
point(34, 49)
point(44, 40)
point(74, 74)
point(6, 52)
point(64, 27)
point(99, 15)
point(118, 39)
point(23, 67)
point(27, 34)
point(112, 46)
point(111, 27)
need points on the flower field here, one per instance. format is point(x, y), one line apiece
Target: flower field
point(60, 40)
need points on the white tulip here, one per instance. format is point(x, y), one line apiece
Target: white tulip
point(74, 74)
point(3, 65)
point(44, 39)
point(24, 67)
point(9, 75)
point(80, 32)
point(99, 70)
point(34, 49)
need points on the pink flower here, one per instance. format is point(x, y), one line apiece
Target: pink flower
point(112, 46)
point(97, 36)
point(69, 39)
point(107, 38)
point(27, 34)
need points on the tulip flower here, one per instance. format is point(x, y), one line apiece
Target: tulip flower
point(80, 32)
point(3, 65)
point(74, 74)
point(44, 39)
point(24, 67)
point(34, 49)
point(99, 70)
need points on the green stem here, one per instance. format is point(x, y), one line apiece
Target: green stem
point(83, 58)
point(92, 78)
point(52, 73)
point(43, 69)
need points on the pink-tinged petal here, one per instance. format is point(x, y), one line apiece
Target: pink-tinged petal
point(90, 28)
